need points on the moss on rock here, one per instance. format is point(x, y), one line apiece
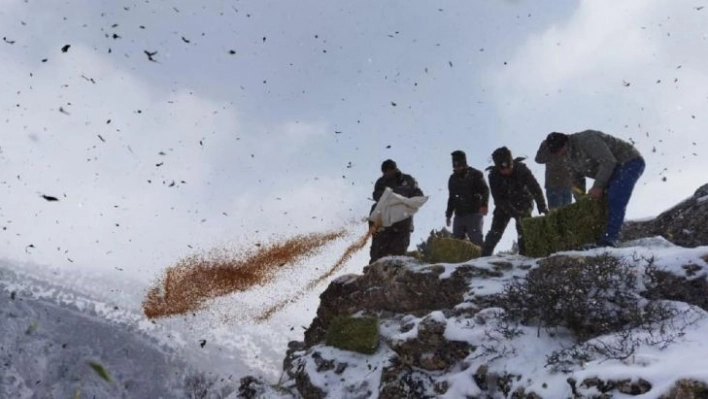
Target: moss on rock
point(357, 334)
point(566, 228)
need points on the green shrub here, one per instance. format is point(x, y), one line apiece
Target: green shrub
point(589, 296)
point(357, 334)
point(452, 250)
point(441, 247)
point(565, 228)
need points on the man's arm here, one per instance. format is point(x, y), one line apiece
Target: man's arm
point(480, 188)
point(535, 189)
point(596, 149)
point(500, 201)
point(379, 188)
point(450, 203)
point(578, 183)
point(415, 190)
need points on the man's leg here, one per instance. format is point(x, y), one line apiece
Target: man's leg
point(520, 232)
point(399, 238)
point(474, 228)
point(566, 196)
point(458, 227)
point(499, 223)
point(376, 246)
point(619, 191)
point(553, 197)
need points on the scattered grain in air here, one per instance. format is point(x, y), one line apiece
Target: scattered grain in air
point(194, 280)
point(356, 246)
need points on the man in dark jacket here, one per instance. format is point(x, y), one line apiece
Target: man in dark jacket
point(514, 188)
point(468, 198)
point(614, 164)
point(393, 240)
point(561, 183)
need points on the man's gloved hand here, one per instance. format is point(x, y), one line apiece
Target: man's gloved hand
point(543, 211)
point(483, 210)
point(447, 221)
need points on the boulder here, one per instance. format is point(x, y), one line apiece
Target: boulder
point(686, 224)
point(388, 285)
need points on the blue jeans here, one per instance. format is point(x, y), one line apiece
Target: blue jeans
point(558, 197)
point(619, 191)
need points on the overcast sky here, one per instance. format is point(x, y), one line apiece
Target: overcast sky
point(259, 119)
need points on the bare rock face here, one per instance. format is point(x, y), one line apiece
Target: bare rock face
point(625, 386)
point(416, 304)
point(686, 224)
point(692, 287)
point(391, 289)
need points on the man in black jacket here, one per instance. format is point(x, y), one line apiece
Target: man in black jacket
point(393, 240)
point(514, 188)
point(469, 195)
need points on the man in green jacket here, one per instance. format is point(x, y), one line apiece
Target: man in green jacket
point(614, 164)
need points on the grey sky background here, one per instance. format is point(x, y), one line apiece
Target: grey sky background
point(287, 134)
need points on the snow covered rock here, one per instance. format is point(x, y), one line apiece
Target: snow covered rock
point(686, 224)
point(445, 331)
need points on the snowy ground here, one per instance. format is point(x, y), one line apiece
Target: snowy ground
point(57, 320)
point(46, 349)
point(685, 355)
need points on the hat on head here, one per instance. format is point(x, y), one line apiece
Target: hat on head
point(502, 157)
point(388, 164)
point(555, 141)
point(459, 158)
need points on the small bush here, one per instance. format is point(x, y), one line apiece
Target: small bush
point(590, 296)
point(441, 247)
point(566, 228)
point(358, 334)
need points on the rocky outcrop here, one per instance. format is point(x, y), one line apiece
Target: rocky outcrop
point(450, 329)
point(390, 286)
point(690, 286)
point(686, 224)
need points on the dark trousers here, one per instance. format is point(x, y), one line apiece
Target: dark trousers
point(499, 222)
point(619, 191)
point(393, 240)
point(469, 225)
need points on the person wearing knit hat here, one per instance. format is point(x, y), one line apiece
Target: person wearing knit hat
point(514, 189)
point(614, 164)
point(467, 200)
point(393, 240)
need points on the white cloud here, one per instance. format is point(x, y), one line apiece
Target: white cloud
point(302, 130)
point(631, 69)
point(171, 170)
point(600, 41)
